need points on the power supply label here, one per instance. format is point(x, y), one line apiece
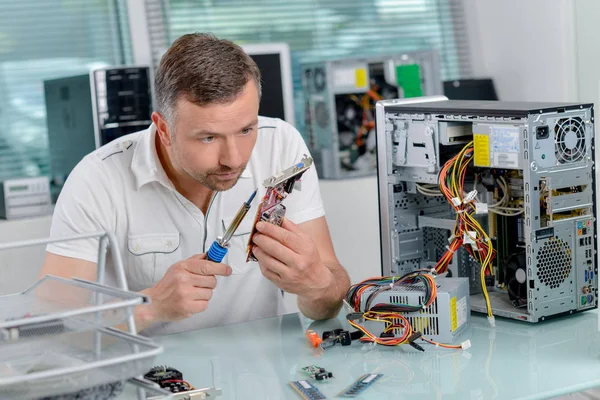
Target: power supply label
point(505, 146)
point(462, 311)
point(481, 148)
point(453, 316)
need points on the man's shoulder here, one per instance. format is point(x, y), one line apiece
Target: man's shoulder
point(116, 155)
point(119, 150)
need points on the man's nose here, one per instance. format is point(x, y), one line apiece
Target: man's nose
point(230, 155)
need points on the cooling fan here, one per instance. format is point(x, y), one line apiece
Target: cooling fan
point(516, 279)
point(569, 136)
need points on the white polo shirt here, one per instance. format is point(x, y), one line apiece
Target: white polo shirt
point(122, 188)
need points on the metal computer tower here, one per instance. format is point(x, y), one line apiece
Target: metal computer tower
point(542, 154)
point(85, 112)
point(339, 98)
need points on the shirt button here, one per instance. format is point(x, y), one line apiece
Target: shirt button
point(168, 244)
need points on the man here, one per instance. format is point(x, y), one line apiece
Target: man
point(169, 191)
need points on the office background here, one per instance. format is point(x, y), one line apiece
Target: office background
point(534, 50)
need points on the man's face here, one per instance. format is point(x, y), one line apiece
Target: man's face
point(213, 143)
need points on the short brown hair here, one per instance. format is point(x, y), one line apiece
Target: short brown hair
point(203, 69)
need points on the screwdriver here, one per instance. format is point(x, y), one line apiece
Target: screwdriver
point(218, 248)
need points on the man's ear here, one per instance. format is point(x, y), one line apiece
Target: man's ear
point(162, 129)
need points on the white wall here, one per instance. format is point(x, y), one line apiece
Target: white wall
point(352, 212)
point(587, 30)
point(527, 46)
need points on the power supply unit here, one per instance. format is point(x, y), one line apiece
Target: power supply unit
point(340, 95)
point(500, 192)
point(442, 321)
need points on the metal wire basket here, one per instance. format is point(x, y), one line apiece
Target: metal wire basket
point(55, 305)
point(45, 366)
point(56, 337)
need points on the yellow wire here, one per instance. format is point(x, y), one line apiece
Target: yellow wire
point(459, 165)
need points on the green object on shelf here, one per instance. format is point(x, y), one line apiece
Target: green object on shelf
point(408, 77)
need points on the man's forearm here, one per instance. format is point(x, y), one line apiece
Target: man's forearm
point(326, 303)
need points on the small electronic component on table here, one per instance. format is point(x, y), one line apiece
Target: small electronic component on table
point(168, 378)
point(307, 391)
point(317, 373)
point(360, 385)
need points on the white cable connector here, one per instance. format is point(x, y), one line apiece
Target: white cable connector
point(469, 237)
point(456, 201)
point(466, 344)
point(470, 196)
point(481, 208)
point(492, 321)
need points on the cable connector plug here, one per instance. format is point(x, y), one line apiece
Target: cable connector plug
point(470, 196)
point(465, 345)
point(353, 316)
point(414, 337)
point(481, 208)
point(492, 321)
point(416, 346)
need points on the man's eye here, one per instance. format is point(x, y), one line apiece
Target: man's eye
point(208, 139)
point(246, 131)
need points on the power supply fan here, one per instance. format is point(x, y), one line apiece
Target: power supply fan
point(319, 79)
point(516, 279)
point(569, 136)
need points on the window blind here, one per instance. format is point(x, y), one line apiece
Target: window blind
point(46, 39)
point(319, 29)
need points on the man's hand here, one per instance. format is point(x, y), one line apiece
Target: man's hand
point(289, 258)
point(185, 290)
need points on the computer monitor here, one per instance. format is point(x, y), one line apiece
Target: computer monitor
point(470, 89)
point(273, 60)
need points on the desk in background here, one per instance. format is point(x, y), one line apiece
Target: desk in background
point(517, 360)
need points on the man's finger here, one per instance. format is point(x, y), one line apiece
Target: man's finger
point(275, 249)
point(197, 306)
point(290, 226)
point(270, 275)
point(203, 267)
point(287, 238)
point(203, 281)
point(202, 294)
point(269, 264)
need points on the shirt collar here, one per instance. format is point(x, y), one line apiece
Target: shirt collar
point(146, 165)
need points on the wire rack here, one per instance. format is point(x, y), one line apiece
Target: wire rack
point(56, 337)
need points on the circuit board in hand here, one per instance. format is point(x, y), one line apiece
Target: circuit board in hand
point(317, 373)
point(278, 187)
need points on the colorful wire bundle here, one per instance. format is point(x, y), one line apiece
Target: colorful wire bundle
point(390, 314)
point(354, 294)
point(468, 231)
